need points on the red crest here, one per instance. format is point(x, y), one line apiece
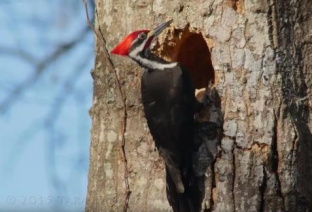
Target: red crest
point(123, 47)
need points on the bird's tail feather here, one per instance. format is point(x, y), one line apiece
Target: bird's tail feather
point(191, 199)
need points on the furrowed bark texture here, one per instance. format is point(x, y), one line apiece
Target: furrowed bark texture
point(261, 54)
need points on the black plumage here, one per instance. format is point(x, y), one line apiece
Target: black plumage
point(168, 97)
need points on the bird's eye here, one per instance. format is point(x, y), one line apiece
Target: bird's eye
point(142, 36)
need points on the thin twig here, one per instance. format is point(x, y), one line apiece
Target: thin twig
point(40, 68)
point(51, 117)
point(124, 119)
point(4, 50)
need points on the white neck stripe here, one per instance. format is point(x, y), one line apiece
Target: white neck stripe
point(147, 63)
point(154, 65)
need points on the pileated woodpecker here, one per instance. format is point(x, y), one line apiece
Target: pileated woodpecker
point(168, 97)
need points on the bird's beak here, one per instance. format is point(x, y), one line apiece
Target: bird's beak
point(155, 32)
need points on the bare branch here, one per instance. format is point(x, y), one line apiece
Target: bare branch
point(13, 96)
point(19, 53)
point(47, 122)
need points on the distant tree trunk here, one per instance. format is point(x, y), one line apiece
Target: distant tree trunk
point(261, 55)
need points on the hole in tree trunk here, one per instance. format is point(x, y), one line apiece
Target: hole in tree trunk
point(190, 48)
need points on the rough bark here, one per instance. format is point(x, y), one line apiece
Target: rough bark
point(261, 55)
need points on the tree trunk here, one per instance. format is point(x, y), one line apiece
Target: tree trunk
point(261, 55)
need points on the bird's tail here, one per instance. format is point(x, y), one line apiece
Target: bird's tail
point(190, 200)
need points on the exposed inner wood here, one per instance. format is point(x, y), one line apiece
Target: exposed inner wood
point(188, 47)
point(237, 5)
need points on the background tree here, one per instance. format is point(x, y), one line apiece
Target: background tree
point(46, 53)
point(261, 55)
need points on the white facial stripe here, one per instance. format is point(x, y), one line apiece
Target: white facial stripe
point(133, 41)
point(151, 64)
point(138, 49)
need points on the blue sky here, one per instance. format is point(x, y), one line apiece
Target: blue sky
point(44, 136)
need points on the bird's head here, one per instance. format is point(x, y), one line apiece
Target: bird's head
point(137, 42)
